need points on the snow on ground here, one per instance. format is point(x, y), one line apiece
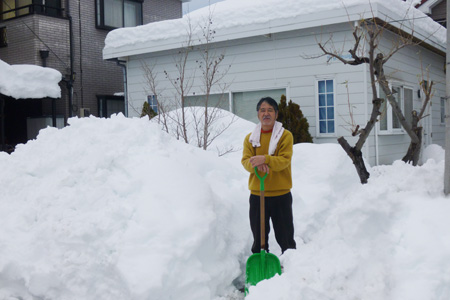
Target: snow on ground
point(118, 209)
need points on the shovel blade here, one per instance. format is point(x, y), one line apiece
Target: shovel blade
point(261, 266)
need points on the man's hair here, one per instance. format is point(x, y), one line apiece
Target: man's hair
point(269, 101)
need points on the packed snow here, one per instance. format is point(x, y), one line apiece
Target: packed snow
point(29, 81)
point(240, 14)
point(118, 209)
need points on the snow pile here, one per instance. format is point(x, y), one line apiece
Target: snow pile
point(118, 209)
point(434, 152)
point(29, 81)
point(226, 132)
point(239, 14)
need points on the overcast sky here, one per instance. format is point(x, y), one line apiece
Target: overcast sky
point(196, 4)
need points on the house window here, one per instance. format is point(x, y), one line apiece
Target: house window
point(214, 100)
point(10, 9)
point(3, 37)
point(15, 8)
point(49, 7)
point(109, 105)
point(326, 100)
point(389, 122)
point(153, 102)
point(118, 13)
point(244, 103)
point(442, 110)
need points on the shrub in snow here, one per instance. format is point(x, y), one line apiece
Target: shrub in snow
point(291, 116)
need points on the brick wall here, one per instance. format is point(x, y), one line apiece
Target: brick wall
point(94, 76)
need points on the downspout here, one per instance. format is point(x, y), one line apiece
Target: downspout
point(2, 115)
point(69, 83)
point(81, 53)
point(44, 56)
point(123, 64)
point(366, 108)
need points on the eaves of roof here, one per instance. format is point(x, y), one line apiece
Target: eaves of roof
point(319, 19)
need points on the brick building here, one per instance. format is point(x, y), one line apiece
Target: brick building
point(68, 35)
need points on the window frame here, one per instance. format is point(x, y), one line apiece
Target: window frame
point(102, 103)
point(230, 95)
point(152, 101)
point(3, 37)
point(100, 14)
point(225, 100)
point(318, 106)
point(34, 7)
point(390, 130)
point(265, 92)
point(442, 110)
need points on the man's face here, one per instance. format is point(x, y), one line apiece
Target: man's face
point(267, 116)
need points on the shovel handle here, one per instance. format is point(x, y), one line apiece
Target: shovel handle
point(262, 210)
point(261, 179)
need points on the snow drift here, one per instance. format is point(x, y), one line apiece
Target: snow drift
point(118, 209)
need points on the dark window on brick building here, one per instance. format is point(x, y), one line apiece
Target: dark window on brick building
point(3, 37)
point(118, 13)
point(48, 7)
point(108, 105)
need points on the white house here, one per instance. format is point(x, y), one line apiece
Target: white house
point(269, 47)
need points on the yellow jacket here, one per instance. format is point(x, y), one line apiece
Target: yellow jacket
point(279, 180)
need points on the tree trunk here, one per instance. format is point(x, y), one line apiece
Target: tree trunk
point(357, 159)
point(389, 96)
point(412, 156)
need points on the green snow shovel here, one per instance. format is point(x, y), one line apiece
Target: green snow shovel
point(261, 265)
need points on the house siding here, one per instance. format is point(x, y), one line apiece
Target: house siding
point(293, 60)
point(407, 67)
point(281, 60)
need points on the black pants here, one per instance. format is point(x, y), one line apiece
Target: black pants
point(279, 209)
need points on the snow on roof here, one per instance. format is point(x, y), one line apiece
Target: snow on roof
point(234, 19)
point(29, 81)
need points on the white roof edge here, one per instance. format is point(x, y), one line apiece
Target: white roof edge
point(410, 28)
point(337, 16)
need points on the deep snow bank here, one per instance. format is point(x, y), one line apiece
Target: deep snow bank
point(117, 209)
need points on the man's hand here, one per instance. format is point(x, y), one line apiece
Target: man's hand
point(257, 160)
point(263, 168)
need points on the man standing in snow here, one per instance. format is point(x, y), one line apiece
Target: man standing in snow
point(269, 148)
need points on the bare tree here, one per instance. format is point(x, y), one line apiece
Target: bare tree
point(367, 34)
point(212, 76)
point(413, 153)
point(177, 109)
point(182, 83)
point(150, 78)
